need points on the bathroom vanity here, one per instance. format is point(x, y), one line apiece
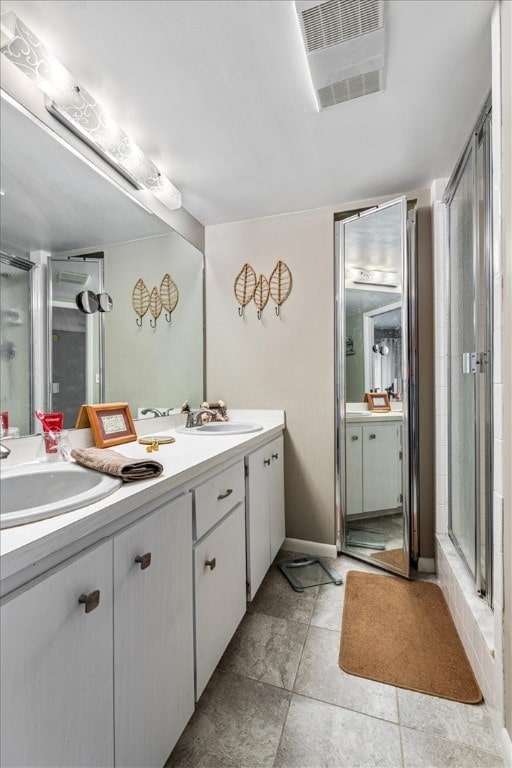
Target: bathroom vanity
point(114, 616)
point(373, 443)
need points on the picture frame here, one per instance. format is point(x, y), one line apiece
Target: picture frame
point(378, 401)
point(111, 423)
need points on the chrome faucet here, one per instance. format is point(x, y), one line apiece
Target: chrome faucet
point(194, 417)
point(154, 411)
point(4, 451)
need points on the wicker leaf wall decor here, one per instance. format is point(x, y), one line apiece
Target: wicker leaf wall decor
point(155, 306)
point(261, 293)
point(245, 284)
point(169, 295)
point(280, 284)
point(140, 299)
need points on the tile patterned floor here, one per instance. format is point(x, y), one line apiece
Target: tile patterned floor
point(278, 699)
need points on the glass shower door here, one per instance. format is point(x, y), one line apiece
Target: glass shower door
point(470, 354)
point(462, 392)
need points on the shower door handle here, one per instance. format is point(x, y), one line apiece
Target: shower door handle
point(473, 362)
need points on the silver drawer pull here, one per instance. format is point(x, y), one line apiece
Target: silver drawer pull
point(225, 495)
point(91, 601)
point(211, 563)
point(372, 437)
point(355, 437)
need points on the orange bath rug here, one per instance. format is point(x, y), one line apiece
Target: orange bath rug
point(401, 633)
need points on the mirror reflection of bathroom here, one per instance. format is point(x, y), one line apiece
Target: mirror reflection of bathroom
point(375, 517)
point(76, 359)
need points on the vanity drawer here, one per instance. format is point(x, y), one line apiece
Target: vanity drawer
point(217, 496)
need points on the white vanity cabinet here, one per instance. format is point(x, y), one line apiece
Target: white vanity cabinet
point(265, 515)
point(56, 667)
point(373, 467)
point(68, 666)
point(153, 635)
point(219, 567)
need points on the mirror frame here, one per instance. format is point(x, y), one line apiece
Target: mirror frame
point(410, 466)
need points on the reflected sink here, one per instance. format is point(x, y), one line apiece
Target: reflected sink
point(31, 492)
point(221, 428)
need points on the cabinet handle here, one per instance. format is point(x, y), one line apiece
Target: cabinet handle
point(211, 563)
point(144, 560)
point(355, 437)
point(372, 437)
point(275, 455)
point(225, 495)
point(266, 462)
point(91, 601)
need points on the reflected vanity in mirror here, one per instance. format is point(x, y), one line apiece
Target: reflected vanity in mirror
point(67, 230)
point(375, 362)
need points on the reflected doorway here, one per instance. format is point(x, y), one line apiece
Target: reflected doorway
point(76, 338)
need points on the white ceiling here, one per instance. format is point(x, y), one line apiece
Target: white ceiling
point(218, 95)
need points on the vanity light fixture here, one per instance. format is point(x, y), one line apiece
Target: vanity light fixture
point(78, 110)
point(374, 277)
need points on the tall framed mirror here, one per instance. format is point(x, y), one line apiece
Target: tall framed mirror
point(375, 385)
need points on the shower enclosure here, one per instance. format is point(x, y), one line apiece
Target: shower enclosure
point(468, 206)
point(15, 342)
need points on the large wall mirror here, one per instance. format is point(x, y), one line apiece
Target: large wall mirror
point(375, 355)
point(66, 229)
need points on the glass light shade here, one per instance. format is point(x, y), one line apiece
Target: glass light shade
point(78, 110)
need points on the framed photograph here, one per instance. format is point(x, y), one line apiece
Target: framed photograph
point(377, 401)
point(111, 423)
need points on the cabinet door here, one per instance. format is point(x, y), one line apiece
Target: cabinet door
point(56, 668)
point(276, 497)
point(153, 634)
point(257, 511)
point(219, 568)
point(381, 446)
point(354, 469)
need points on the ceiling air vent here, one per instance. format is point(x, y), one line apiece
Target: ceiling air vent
point(344, 42)
point(334, 21)
point(351, 88)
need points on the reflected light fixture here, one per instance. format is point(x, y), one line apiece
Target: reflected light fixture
point(373, 277)
point(77, 109)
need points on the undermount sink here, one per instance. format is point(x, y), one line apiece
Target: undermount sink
point(221, 428)
point(31, 492)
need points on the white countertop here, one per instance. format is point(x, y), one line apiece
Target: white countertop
point(359, 412)
point(23, 546)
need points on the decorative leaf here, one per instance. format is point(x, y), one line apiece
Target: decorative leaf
point(169, 293)
point(280, 283)
point(155, 303)
point(244, 286)
point(261, 292)
point(140, 297)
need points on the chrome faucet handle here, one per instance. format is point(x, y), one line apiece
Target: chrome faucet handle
point(190, 420)
point(196, 416)
point(4, 451)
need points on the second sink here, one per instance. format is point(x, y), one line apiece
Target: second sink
point(221, 428)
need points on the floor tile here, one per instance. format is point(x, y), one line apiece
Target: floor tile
point(424, 750)
point(238, 722)
point(266, 648)
point(320, 677)
point(276, 597)
point(467, 723)
point(328, 608)
point(318, 734)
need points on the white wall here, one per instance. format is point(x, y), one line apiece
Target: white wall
point(288, 362)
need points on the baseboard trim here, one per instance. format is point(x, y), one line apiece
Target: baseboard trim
point(311, 547)
point(506, 747)
point(426, 565)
